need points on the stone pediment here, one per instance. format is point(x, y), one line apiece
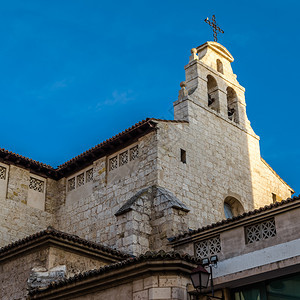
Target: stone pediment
point(215, 47)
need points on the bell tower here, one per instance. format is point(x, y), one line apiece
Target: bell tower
point(211, 84)
point(224, 167)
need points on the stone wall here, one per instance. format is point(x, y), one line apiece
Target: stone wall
point(14, 274)
point(75, 262)
point(17, 216)
point(159, 286)
point(222, 155)
point(222, 160)
point(17, 220)
point(15, 271)
point(93, 216)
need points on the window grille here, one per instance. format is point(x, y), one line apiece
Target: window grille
point(208, 247)
point(123, 158)
point(113, 163)
point(36, 185)
point(89, 175)
point(2, 173)
point(134, 152)
point(80, 179)
point(260, 231)
point(71, 184)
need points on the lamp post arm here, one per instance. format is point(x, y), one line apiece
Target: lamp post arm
point(211, 280)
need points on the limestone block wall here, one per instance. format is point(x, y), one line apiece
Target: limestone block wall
point(55, 194)
point(93, 216)
point(134, 227)
point(217, 165)
point(157, 287)
point(27, 203)
point(14, 274)
point(267, 183)
point(18, 184)
point(223, 155)
point(149, 218)
point(75, 262)
point(18, 220)
point(222, 159)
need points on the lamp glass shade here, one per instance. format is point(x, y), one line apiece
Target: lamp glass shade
point(200, 278)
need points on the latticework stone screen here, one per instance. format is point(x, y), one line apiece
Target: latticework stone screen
point(36, 185)
point(208, 247)
point(260, 231)
point(2, 173)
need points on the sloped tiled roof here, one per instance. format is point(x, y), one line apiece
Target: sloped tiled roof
point(50, 232)
point(147, 257)
point(236, 219)
point(86, 158)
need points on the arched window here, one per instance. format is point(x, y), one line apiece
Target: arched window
point(212, 93)
point(232, 105)
point(219, 66)
point(232, 207)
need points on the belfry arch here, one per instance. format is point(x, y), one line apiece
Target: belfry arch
point(212, 93)
point(232, 107)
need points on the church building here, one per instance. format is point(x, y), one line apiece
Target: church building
point(132, 217)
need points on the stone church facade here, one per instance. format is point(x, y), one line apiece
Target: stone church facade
point(145, 187)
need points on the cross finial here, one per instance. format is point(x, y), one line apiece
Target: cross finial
point(214, 27)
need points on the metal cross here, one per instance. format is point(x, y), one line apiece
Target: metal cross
point(214, 26)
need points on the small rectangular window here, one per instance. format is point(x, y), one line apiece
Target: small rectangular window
point(134, 152)
point(123, 158)
point(2, 173)
point(89, 175)
point(183, 156)
point(71, 184)
point(36, 184)
point(80, 179)
point(113, 163)
point(274, 197)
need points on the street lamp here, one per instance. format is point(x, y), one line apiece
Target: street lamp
point(200, 277)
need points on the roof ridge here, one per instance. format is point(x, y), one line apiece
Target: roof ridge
point(8, 152)
point(127, 130)
point(55, 173)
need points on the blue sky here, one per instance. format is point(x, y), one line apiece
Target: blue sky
point(76, 72)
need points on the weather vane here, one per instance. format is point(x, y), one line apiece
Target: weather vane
point(214, 27)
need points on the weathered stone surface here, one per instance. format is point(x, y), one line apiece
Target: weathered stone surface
point(40, 278)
